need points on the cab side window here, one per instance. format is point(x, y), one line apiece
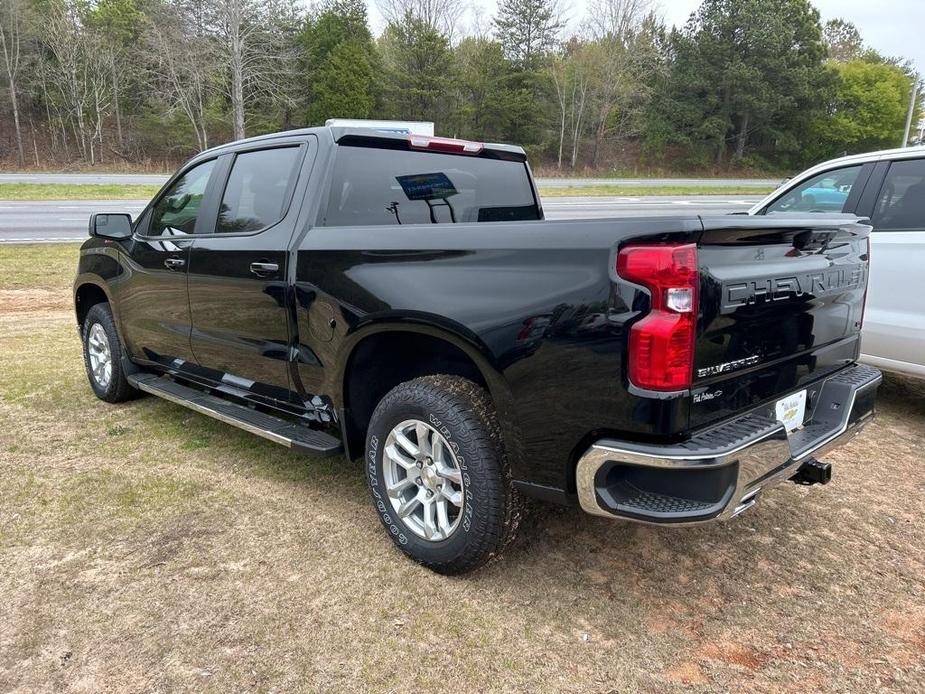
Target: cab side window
point(258, 189)
point(176, 212)
point(825, 192)
point(901, 203)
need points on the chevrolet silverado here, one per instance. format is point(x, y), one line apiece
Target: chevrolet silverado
point(399, 298)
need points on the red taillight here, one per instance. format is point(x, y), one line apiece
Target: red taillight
point(661, 345)
point(444, 144)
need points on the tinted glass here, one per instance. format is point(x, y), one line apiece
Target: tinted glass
point(827, 192)
point(901, 204)
point(175, 213)
point(255, 196)
point(386, 186)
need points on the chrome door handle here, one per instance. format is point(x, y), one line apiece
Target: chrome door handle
point(261, 269)
point(174, 263)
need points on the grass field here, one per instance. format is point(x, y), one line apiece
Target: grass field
point(75, 191)
point(144, 547)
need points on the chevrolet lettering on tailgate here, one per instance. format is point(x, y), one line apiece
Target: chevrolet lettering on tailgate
point(739, 294)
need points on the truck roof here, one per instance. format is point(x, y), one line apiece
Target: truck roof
point(339, 133)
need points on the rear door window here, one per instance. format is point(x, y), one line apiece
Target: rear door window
point(825, 192)
point(372, 186)
point(901, 203)
point(258, 189)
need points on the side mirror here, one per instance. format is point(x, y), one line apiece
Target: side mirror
point(111, 226)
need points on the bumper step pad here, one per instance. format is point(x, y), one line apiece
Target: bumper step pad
point(655, 504)
point(292, 435)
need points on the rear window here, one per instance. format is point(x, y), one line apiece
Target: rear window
point(387, 186)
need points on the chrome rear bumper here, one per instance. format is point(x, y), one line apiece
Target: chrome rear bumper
point(720, 472)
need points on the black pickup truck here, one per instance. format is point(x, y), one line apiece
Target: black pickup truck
point(400, 299)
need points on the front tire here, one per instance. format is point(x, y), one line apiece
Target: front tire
point(103, 356)
point(438, 474)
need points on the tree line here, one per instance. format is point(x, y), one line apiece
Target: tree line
point(751, 84)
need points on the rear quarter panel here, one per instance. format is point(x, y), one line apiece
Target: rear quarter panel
point(536, 301)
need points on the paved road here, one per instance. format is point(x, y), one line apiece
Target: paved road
point(642, 206)
point(57, 221)
point(157, 179)
point(658, 182)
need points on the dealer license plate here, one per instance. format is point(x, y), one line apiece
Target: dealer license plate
point(791, 410)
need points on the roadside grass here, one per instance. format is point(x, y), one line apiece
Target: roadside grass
point(76, 191)
point(146, 547)
point(638, 191)
point(38, 267)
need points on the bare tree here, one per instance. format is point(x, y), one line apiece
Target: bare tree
point(583, 74)
point(441, 15)
point(115, 22)
point(236, 28)
point(10, 41)
point(616, 19)
point(842, 40)
point(181, 69)
point(249, 42)
point(528, 30)
point(78, 70)
point(623, 51)
point(574, 74)
point(559, 71)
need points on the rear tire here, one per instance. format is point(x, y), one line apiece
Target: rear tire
point(432, 442)
point(103, 356)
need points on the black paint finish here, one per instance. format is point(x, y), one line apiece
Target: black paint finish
point(152, 298)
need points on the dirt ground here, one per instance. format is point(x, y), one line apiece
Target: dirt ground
point(144, 547)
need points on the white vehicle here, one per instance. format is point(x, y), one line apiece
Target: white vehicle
point(406, 127)
point(889, 188)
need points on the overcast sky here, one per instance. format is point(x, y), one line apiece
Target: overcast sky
point(893, 27)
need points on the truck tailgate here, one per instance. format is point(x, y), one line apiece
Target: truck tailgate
point(781, 305)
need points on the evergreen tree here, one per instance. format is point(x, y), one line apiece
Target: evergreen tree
point(339, 62)
point(483, 98)
point(418, 72)
point(742, 72)
point(527, 30)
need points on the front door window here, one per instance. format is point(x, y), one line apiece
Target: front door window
point(176, 212)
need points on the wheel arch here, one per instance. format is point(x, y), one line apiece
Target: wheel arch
point(90, 290)
point(412, 350)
